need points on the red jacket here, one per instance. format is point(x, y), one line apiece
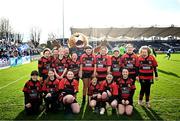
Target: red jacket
point(146, 67)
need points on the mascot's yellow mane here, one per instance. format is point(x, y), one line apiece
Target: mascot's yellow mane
point(77, 40)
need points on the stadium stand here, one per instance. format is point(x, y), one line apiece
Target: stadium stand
point(160, 38)
point(9, 49)
point(158, 46)
point(12, 54)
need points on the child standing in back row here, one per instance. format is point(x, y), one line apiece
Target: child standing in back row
point(147, 69)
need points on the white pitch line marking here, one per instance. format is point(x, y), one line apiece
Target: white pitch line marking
point(13, 82)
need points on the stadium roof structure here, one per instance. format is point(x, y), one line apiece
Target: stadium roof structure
point(131, 32)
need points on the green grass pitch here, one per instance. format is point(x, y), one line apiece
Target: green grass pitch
point(165, 96)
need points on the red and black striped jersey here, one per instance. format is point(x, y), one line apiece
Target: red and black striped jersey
point(50, 86)
point(69, 86)
point(93, 89)
point(43, 65)
point(125, 87)
point(102, 62)
point(59, 65)
point(88, 62)
point(74, 66)
point(146, 67)
point(129, 61)
point(116, 66)
point(32, 85)
point(112, 87)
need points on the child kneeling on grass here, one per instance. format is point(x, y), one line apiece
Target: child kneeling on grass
point(94, 94)
point(50, 89)
point(109, 94)
point(68, 88)
point(32, 94)
point(126, 91)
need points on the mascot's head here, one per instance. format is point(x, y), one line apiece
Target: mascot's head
point(77, 40)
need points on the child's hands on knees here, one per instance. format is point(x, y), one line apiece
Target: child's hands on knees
point(28, 105)
point(109, 93)
point(123, 102)
point(127, 102)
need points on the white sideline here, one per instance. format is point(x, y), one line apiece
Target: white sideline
point(13, 82)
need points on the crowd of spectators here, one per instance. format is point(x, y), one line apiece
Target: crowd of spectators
point(10, 49)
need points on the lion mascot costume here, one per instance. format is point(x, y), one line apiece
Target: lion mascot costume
point(77, 42)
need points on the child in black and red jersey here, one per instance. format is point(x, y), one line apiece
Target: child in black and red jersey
point(74, 65)
point(103, 64)
point(59, 63)
point(50, 89)
point(32, 94)
point(87, 69)
point(68, 88)
point(116, 65)
point(130, 61)
point(66, 54)
point(109, 94)
point(44, 63)
point(94, 94)
point(126, 92)
point(147, 69)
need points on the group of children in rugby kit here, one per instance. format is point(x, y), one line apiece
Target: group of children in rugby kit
point(108, 80)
